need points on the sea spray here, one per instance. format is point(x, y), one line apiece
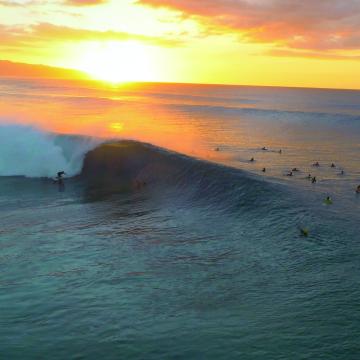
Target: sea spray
point(31, 152)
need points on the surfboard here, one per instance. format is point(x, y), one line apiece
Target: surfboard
point(56, 180)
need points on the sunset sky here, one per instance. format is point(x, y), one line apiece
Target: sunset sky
point(254, 42)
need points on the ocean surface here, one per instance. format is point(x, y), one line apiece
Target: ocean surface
point(165, 241)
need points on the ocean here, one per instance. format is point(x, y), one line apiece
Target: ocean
point(165, 241)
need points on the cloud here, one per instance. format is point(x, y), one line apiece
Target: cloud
point(298, 24)
point(308, 54)
point(14, 3)
point(17, 3)
point(85, 2)
point(15, 36)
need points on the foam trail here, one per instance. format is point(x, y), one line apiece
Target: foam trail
point(28, 151)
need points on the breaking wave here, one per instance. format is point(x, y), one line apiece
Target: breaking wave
point(28, 151)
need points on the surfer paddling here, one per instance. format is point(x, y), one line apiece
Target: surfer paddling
point(328, 201)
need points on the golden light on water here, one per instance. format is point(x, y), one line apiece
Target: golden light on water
point(117, 62)
point(116, 126)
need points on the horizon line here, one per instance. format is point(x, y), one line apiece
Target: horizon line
point(88, 77)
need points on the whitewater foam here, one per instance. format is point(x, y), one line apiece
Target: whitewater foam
point(31, 152)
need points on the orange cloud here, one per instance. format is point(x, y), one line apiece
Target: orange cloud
point(308, 54)
point(15, 36)
point(85, 2)
point(300, 24)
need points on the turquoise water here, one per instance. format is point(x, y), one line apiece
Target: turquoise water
point(148, 254)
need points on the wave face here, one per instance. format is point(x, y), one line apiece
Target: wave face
point(108, 168)
point(130, 165)
point(28, 151)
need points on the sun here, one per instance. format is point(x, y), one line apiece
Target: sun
point(116, 62)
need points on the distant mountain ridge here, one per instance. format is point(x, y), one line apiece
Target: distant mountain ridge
point(13, 69)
